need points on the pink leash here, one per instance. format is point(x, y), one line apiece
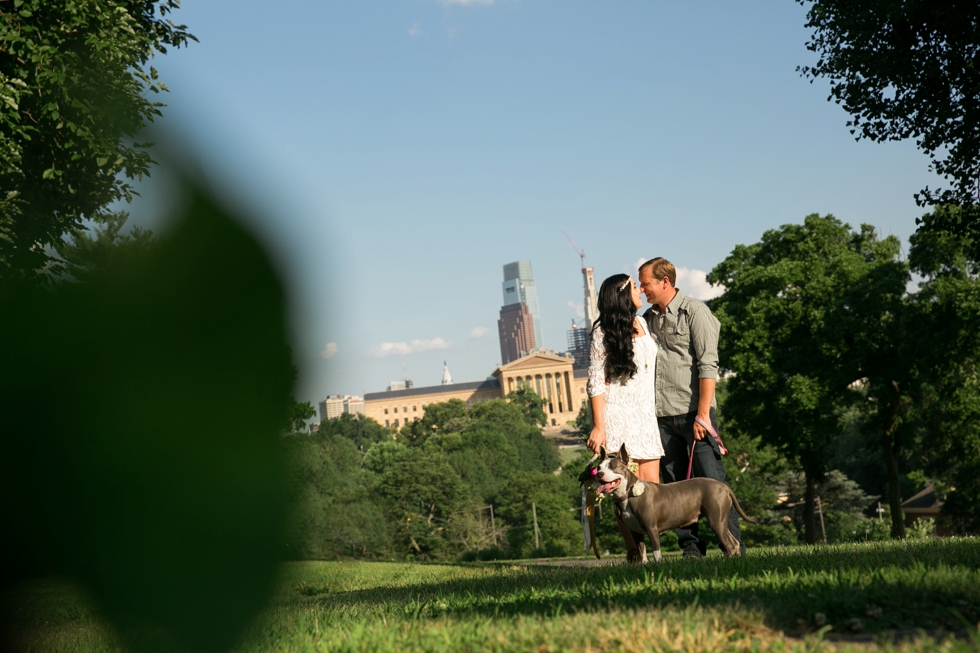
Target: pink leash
point(690, 461)
point(721, 446)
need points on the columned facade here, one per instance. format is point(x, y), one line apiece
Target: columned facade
point(552, 378)
point(549, 375)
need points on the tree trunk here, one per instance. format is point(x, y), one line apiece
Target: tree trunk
point(809, 529)
point(891, 449)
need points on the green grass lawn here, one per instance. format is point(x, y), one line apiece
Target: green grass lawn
point(569, 454)
point(773, 600)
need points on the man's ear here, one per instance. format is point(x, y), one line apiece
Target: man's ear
point(602, 452)
point(625, 457)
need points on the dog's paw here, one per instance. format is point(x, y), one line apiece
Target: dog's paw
point(633, 557)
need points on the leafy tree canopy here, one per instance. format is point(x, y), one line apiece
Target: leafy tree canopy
point(780, 333)
point(75, 89)
point(106, 250)
point(530, 404)
point(362, 431)
point(909, 70)
point(944, 344)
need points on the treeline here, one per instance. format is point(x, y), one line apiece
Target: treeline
point(840, 361)
point(366, 491)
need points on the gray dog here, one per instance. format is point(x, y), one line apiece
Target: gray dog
point(653, 509)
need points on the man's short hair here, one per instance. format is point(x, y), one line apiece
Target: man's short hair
point(660, 268)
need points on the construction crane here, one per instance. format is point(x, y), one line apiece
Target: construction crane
point(581, 253)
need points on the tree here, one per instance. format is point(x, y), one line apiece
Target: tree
point(779, 321)
point(530, 404)
point(869, 334)
point(363, 431)
point(445, 417)
point(106, 250)
point(756, 472)
point(299, 413)
point(944, 343)
point(421, 494)
point(909, 70)
point(74, 81)
point(336, 514)
point(583, 421)
point(559, 531)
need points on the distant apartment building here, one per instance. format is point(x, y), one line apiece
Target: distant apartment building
point(516, 330)
point(519, 288)
point(335, 406)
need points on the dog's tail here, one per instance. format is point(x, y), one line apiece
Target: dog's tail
point(739, 508)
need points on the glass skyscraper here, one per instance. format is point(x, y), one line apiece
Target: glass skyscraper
point(519, 289)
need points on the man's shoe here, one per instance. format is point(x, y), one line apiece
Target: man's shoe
point(692, 552)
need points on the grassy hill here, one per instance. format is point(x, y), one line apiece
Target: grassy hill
point(800, 598)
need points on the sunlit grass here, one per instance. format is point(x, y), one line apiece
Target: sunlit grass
point(773, 600)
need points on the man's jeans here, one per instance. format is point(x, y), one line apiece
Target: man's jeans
point(677, 434)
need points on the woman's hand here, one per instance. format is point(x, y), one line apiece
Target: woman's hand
point(596, 439)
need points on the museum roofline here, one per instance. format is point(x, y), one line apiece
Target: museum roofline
point(486, 384)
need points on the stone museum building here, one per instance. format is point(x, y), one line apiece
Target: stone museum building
point(550, 375)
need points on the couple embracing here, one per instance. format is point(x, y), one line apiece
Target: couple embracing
point(652, 387)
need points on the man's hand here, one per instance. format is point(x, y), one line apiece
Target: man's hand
point(700, 433)
point(596, 439)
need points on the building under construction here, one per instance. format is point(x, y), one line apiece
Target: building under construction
point(580, 337)
point(579, 342)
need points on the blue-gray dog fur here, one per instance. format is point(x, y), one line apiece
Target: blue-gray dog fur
point(653, 509)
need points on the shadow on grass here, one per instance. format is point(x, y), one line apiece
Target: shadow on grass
point(885, 586)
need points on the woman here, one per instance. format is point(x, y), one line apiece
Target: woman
point(622, 372)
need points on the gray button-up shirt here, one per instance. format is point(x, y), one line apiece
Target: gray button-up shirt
point(687, 337)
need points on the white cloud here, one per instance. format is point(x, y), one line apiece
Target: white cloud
point(410, 347)
point(416, 30)
point(329, 351)
point(479, 332)
point(694, 283)
point(578, 308)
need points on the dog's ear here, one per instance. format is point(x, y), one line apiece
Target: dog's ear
point(625, 457)
point(602, 453)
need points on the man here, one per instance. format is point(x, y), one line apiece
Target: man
point(687, 371)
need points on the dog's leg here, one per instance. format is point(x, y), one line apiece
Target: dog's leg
point(719, 524)
point(632, 552)
point(643, 553)
point(654, 534)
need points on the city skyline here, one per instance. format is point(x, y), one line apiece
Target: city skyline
point(394, 155)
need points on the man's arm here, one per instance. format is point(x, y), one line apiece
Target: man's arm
point(704, 338)
point(706, 392)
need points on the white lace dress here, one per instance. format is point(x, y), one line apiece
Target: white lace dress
point(631, 407)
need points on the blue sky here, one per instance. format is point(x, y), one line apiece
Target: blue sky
point(396, 154)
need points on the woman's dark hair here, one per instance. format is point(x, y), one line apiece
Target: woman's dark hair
point(616, 315)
